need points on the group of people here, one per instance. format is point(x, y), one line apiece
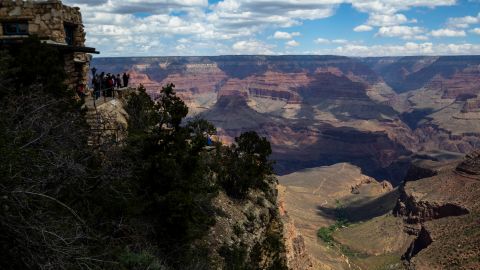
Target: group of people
point(106, 83)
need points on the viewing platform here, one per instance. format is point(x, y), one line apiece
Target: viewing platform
point(119, 93)
point(106, 116)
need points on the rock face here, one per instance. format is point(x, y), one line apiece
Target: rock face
point(441, 96)
point(297, 254)
point(314, 109)
point(471, 165)
point(251, 228)
point(442, 212)
point(321, 110)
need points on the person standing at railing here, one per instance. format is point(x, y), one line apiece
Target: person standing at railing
point(118, 82)
point(126, 77)
point(103, 83)
point(110, 84)
point(97, 86)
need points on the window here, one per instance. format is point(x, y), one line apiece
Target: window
point(15, 28)
point(70, 34)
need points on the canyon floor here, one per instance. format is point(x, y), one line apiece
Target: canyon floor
point(315, 198)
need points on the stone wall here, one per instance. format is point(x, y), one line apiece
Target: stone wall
point(45, 19)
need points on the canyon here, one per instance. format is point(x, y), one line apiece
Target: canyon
point(378, 142)
point(375, 113)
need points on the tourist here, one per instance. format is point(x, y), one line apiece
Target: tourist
point(110, 84)
point(81, 91)
point(118, 81)
point(97, 86)
point(125, 79)
point(103, 81)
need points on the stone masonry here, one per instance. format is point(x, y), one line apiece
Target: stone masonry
point(49, 20)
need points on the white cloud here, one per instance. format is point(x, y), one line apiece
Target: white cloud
point(463, 22)
point(402, 31)
point(285, 35)
point(292, 43)
point(363, 28)
point(262, 13)
point(393, 6)
point(475, 31)
point(386, 19)
point(322, 41)
point(340, 41)
point(409, 48)
point(386, 12)
point(153, 27)
point(135, 6)
point(252, 47)
point(334, 41)
point(448, 33)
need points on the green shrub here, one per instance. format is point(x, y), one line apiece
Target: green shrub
point(325, 233)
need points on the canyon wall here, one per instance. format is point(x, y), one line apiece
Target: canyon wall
point(321, 110)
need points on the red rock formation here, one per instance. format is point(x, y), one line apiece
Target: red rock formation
point(465, 82)
point(440, 210)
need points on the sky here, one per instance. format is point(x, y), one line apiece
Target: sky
point(267, 27)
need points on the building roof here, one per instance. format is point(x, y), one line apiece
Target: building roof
point(8, 41)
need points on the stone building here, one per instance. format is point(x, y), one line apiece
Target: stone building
point(55, 24)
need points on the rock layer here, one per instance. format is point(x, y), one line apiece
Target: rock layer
point(442, 211)
point(320, 110)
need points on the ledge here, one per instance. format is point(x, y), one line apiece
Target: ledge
point(7, 41)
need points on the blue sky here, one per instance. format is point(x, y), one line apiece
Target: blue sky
point(342, 27)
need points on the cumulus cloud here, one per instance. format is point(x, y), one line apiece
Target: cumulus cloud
point(283, 13)
point(147, 27)
point(402, 31)
point(448, 33)
point(334, 41)
point(285, 35)
point(463, 22)
point(292, 43)
point(134, 6)
point(322, 41)
point(386, 12)
point(340, 41)
point(475, 31)
point(409, 48)
point(252, 47)
point(363, 28)
point(386, 19)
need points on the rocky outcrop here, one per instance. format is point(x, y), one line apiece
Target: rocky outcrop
point(440, 212)
point(421, 211)
point(417, 172)
point(422, 241)
point(250, 230)
point(471, 165)
point(296, 252)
